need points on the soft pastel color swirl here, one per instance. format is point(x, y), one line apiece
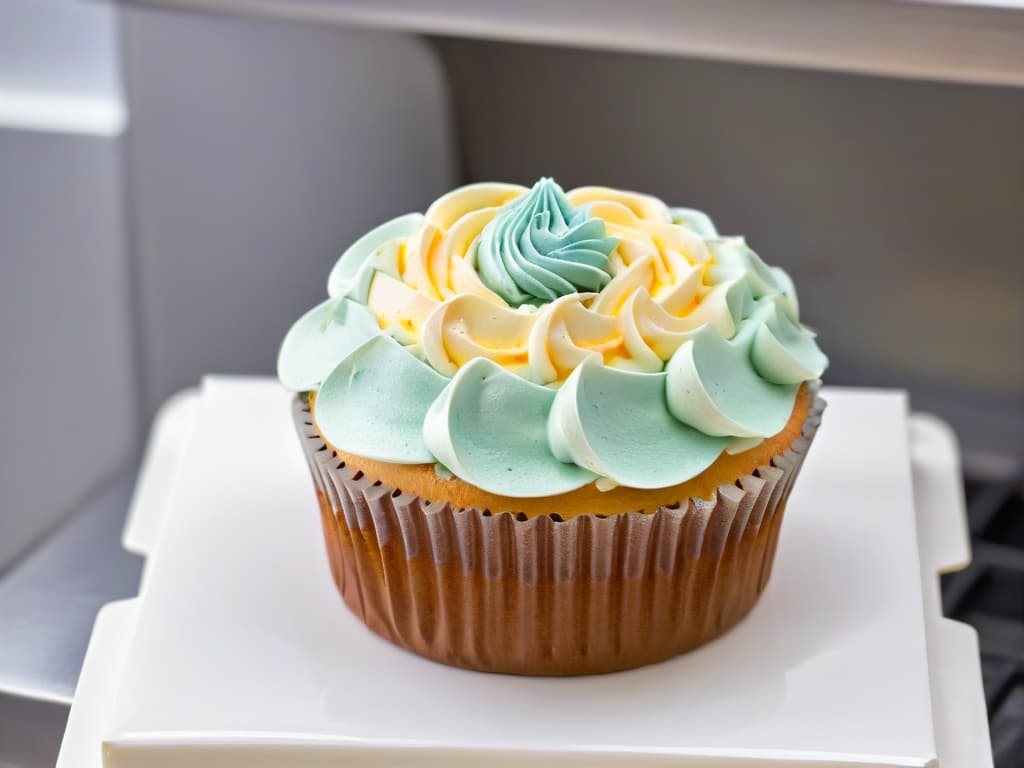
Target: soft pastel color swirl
point(533, 341)
point(541, 248)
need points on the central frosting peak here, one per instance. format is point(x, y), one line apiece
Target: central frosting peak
point(542, 247)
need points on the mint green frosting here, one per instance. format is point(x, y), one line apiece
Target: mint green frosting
point(541, 247)
point(713, 386)
point(319, 339)
point(784, 352)
point(375, 400)
point(786, 299)
point(693, 219)
point(489, 428)
point(733, 259)
point(731, 382)
point(617, 424)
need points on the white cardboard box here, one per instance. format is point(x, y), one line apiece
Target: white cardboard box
point(239, 652)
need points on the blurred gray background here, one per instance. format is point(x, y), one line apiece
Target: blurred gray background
point(184, 236)
point(175, 186)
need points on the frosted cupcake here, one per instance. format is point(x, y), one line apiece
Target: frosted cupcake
point(552, 433)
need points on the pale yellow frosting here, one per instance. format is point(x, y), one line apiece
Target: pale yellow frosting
point(656, 297)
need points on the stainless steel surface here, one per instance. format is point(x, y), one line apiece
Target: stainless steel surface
point(963, 40)
point(48, 602)
point(65, 324)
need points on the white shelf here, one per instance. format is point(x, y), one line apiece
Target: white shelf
point(948, 40)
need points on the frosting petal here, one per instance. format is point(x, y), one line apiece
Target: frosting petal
point(679, 296)
point(617, 424)
point(713, 386)
point(452, 206)
point(400, 310)
point(672, 246)
point(693, 219)
point(638, 274)
point(722, 307)
point(733, 259)
point(783, 352)
point(344, 274)
point(640, 205)
point(459, 430)
point(650, 333)
point(468, 327)
point(541, 247)
point(564, 334)
point(418, 265)
point(319, 339)
point(787, 297)
point(374, 402)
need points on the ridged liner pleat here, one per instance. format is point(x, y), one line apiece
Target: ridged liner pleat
point(503, 593)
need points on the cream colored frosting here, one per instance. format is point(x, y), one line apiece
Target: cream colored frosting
point(433, 297)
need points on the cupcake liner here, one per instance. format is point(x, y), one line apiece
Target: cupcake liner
point(507, 593)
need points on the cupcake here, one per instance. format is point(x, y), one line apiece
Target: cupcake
point(552, 433)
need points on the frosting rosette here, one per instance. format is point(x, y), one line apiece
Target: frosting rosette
point(542, 247)
point(531, 341)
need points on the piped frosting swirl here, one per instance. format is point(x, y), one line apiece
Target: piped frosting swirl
point(533, 341)
point(541, 247)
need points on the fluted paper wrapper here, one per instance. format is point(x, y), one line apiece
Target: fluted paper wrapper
point(542, 596)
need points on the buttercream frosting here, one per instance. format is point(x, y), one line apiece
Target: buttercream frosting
point(541, 247)
point(531, 341)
